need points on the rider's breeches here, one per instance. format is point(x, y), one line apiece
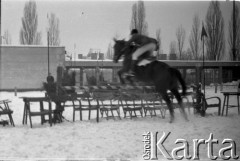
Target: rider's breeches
point(148, 47)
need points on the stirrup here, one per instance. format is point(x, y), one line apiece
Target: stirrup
point(130, 74)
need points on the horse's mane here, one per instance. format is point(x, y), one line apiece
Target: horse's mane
point(122, 49)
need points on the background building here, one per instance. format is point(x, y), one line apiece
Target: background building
point(26, 67)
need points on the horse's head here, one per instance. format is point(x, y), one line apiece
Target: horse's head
point(118, 49)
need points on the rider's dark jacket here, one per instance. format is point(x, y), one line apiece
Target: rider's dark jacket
point(141, 40)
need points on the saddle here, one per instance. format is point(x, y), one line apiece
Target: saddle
point(145, 58)
point(146, 61)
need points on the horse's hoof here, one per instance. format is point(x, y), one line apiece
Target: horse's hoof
point(171, 119)
point(185, 117)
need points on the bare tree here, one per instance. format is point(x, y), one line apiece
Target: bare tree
point(28, 33)
point(53, 30)
point(215, 43)
point(158, 38)
point(194, 39)
point(138, 18)
point(134, 20)
point(230, 38)
point(7, 38)
point(180, 34)
point(173, 47)
point(187, 55)
point(109, 54)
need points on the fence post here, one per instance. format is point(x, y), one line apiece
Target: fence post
point(81, 76)
point(59, 77)
point(184, 73)
point(97, 75)
point(214, 80)
point(220, 69)
point(15, 91)
point(114, 74)
point(197, 69)
point(230, 77)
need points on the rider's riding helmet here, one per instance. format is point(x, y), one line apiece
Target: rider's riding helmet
point(134, 31)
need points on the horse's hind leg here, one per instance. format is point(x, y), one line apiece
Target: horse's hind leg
point(179, 99)
point(169, 104)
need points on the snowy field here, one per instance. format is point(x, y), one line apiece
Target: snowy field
point(111, 139)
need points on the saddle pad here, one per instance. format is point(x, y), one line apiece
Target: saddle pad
point(144, 62)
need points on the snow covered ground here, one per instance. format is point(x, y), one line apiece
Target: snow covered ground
point(110, 139)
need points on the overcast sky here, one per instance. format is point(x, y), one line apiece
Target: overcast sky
point(93, 24)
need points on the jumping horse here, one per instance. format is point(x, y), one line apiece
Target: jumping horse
point(156, 72)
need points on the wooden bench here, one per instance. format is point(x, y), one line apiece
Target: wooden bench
point(217, 103)
point(85, 102)
point(131, 103)
point(28, 109)
point(5, 110)
point(152, 103)
point(108, 102)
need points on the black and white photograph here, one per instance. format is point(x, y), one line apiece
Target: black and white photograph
point(119, 80)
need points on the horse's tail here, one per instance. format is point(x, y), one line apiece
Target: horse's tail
point(180, 79)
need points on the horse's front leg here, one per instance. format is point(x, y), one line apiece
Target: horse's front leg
point(120, 72)
point(129, 79)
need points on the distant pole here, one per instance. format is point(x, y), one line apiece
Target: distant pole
point(0, 42)
point(204, 106)
point(0, 23)
point(234, 33)
point(203, 70)
point(48, 54)
point(74, 56)
point(48, 48)
point(71, 58)
point(203, 34)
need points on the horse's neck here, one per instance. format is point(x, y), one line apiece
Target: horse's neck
point(128, 53)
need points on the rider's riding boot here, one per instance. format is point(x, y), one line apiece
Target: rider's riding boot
point(132, 67)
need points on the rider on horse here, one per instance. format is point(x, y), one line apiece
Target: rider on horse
point(144, 44)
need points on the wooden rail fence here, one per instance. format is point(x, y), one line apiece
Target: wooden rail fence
point(222, 71)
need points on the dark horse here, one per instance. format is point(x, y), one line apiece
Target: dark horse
point(158, 73)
